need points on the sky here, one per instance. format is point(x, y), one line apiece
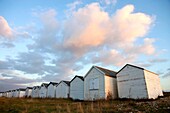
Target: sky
point(54, 40)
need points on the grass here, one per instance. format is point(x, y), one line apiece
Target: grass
point(27, 105)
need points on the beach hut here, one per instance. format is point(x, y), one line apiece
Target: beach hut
point(10, 93)
point(77, 88)
point(138, 83)
point(16, 92)
point(21, 92)
point(35, 91)
point(51, 90)
point(62, 89)
point(100, 83)
point(43, 90)
point(13, 93)
point(28, 92)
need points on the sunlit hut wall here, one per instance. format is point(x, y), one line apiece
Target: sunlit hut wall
point(51, 90)
point(77, 88)
point(100, 83)
point(43, 90)
point(28, 92)
point(137, 83)
point(63, 89)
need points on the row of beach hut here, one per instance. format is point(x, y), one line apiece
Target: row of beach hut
point(99, 83)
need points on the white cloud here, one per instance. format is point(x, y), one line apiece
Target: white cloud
point(5, 30)
point(126, 26)
point(108, 2)
point(91, 28)
point(113, 57)
point(88, 23)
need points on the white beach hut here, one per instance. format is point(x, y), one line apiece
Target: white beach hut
point(21, 92)
point(77, 88)
point(10, 93)
point(13, 93)
point(138, 83)
point(16, 92)
point(51, 90)
point(28, 92)
point(100, 83)
point(35, 92)
point(43, 90)
point(62, 89)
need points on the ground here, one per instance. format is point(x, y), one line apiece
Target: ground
point(16, 105)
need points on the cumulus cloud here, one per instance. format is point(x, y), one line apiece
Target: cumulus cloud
point(72, 7)
point(89, 23)
point(126, 26)
point(94, 29)
point(5, 30)
point(146, 48)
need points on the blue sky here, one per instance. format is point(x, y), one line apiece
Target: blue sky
point(53, 40)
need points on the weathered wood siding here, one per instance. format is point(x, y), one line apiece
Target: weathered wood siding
point(51, 91)
point(77, 89)
point(111, 87)
point(153, 85)
point(90, 93)
point(131, 83)
point(62, 90)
